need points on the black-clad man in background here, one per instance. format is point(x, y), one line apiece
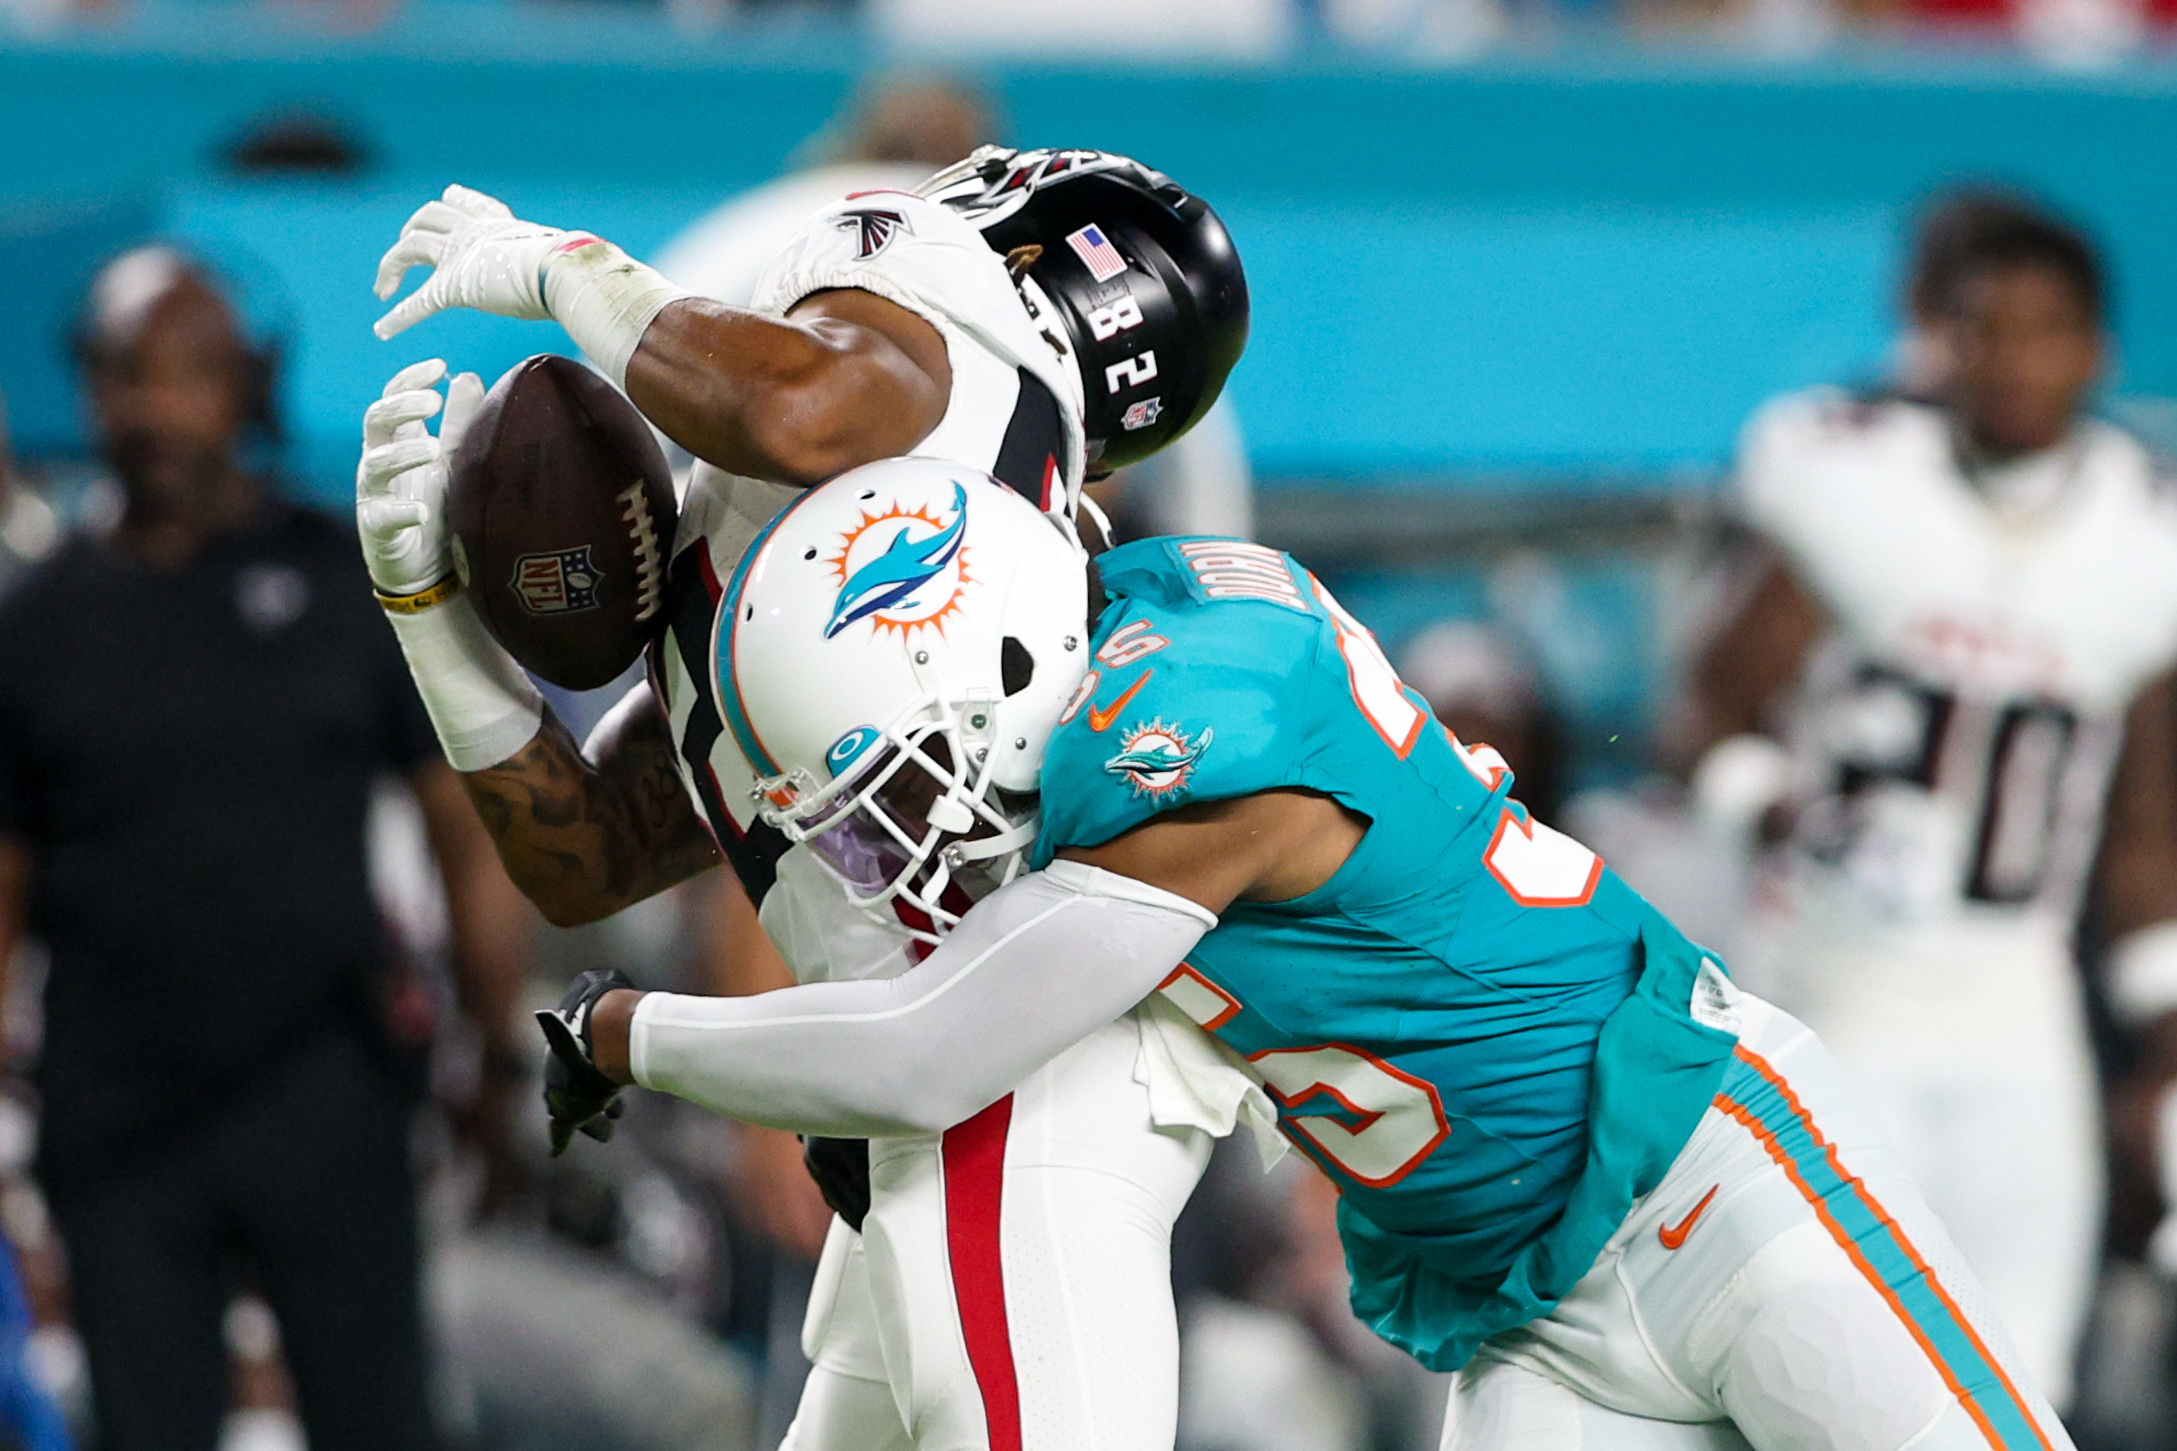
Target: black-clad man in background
point(194, 707)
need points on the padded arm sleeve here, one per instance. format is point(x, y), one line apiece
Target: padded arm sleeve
point(1037, 966)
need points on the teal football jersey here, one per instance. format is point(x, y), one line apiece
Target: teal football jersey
point(1486, 1039)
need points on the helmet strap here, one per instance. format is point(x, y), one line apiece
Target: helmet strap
point(1021, 258)
point(983, 848)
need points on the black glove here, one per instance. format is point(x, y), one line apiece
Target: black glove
point(840, 1168)
point(577, 1094)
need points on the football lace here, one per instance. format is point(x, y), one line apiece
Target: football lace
point(649, 564)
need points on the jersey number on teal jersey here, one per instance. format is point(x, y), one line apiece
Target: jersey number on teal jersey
point(1386, 1121)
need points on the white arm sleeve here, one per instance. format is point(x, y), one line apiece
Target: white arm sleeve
point(1037, 966)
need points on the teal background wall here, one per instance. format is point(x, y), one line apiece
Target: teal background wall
point(1572, 276)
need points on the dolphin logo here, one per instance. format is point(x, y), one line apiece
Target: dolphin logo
point(904, 567)
point(1158, 759)
point(1155, 759)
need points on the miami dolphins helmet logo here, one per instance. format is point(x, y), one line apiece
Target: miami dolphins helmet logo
point(904, 568)
point(1157, 759)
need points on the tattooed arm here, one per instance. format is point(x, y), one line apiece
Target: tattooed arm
point(584, 836)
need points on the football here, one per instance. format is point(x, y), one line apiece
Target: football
point(562, 511)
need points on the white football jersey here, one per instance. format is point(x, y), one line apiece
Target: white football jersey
point(1958, 726)
point(1015, 412)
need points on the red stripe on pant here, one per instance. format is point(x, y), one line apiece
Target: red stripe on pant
point(974, 1192)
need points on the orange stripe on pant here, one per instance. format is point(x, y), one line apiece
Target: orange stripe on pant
point(1777, 1151)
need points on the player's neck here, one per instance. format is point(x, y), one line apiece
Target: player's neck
point(167, 529)
point(1978, 453)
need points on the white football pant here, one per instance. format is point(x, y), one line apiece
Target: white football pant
point(1784, 1287)
point(1970, 1049)
point(1011, 1288)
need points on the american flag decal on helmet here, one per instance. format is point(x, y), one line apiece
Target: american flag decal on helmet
point(876, 231)
point(1103, 259)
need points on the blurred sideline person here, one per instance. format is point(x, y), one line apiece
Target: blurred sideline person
point(1040, 315)
point(1959, 628)
point(193, 709)
point(891, 136)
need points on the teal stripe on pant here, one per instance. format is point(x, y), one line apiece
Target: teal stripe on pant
point(1759, 1098)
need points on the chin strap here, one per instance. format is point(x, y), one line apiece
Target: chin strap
point(1007, 845)
point(1017, 837)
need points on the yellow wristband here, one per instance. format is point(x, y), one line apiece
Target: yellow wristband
point(423, 599)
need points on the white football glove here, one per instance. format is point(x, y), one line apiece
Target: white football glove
point(482, 256)
point(400, 484)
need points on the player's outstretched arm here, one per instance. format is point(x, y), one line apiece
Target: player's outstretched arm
point(848, 378)
point(585, 833)
point(1033, 969)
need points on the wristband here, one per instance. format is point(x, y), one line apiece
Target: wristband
point(422, 599)
point(605, 300)
point(482, 705)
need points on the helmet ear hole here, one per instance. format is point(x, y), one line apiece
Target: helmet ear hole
point(1016, 667)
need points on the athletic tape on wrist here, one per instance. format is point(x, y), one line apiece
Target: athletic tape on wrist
point(605, 300)
point(482, 705)
point(2143, 974)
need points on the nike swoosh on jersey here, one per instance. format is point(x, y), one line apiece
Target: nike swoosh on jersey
point(1101, 717)
point(1674, 1235)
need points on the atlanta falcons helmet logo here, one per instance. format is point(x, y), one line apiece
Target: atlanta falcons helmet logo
point(876, 230)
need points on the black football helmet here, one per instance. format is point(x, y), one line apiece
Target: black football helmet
point(1142, 274)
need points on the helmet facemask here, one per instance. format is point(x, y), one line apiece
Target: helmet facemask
point(900, 826)
point(892, 657)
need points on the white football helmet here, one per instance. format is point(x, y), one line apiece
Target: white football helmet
point(892, 656)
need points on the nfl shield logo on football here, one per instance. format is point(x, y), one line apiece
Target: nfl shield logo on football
point(1142, 414)
point(558, 582)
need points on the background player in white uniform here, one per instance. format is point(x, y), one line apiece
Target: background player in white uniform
point(1960, 627)
point(1016, 1289)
